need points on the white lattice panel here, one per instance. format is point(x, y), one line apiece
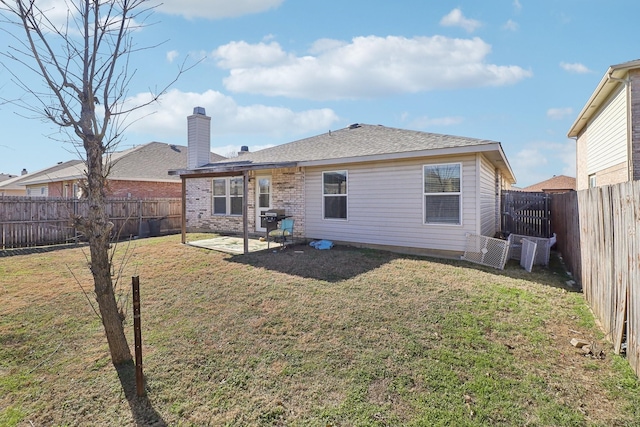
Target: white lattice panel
point(486, 251)
point(528, 254)
point(543, 251)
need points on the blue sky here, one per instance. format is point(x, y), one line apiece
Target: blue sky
point(274, 71)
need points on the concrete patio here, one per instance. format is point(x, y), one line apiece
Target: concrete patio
point(232, 245)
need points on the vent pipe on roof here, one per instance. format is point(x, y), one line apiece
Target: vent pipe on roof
point(199, 138)
point(243, 150)
point(24, 172)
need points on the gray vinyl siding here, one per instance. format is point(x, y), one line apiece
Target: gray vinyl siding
point(385, 206)
point(607, 140)
point(487, 197)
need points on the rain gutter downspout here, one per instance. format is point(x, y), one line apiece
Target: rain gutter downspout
point(626, 82)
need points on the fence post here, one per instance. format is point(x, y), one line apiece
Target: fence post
point(135, 281)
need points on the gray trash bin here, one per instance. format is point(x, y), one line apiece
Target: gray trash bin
point(154, 227)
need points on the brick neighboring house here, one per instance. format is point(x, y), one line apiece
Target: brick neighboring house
point(140, 172)
point(557, 184)
point(366, 185)
point(607, 130)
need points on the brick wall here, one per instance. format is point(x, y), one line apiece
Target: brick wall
point(287, 192)
point(124, 189)
point(199, 210)
point(56, 189)
point(582, 174)
point(144, 189)
point(613, 175)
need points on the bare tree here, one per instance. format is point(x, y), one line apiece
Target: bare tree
point(83, 63)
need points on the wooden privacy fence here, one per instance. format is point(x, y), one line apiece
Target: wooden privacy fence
point(32, 221)
point(566, 224)
point(609, 231)
point(526, 213)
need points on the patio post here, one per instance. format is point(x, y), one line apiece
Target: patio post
point(245, 210)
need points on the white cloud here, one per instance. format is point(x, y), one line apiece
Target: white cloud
point(244, 55)
point(517, 5)
point(559, 113)
point(168, 117)
point(455, 18)
point(511, 25)
point(575, 67)
point(367, 67)
point(216, 9)
point(172, 55)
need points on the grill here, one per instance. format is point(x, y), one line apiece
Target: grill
point(271, 218)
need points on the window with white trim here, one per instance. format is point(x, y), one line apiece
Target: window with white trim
point(443, 194)
point(227, 195)
point(334, 194)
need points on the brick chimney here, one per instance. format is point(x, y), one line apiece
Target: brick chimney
point(199, 138)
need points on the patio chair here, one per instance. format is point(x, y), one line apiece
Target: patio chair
point(282, 234)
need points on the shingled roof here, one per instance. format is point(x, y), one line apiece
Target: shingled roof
point(148, 162)
point(557, 184)
point(19, 182)
point(357, 143)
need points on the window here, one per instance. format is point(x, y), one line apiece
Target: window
point(227, 196)
point(334, 191)
point(442, 194)
point(236, 186)
point(592, 180)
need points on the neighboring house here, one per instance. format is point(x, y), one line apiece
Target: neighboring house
point(139, 172)
point(365, 185)
point(607, 130)
point(557, 184)
point(16, 186)
point(6, 176)
point(3, 178)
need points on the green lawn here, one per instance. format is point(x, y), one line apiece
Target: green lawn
point(346, 337)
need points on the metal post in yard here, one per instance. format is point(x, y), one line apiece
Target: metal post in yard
point(135, 281)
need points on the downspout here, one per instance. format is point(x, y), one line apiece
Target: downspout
point(245, 211)
point(627, 88)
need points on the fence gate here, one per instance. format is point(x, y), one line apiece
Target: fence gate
point(526, 213)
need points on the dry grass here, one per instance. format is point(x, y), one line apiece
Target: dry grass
point(342, 337)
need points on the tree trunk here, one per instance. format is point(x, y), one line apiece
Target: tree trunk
point(98, 230)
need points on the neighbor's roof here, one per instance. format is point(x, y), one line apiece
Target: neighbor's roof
point(359, 143)
point(148, 162)
point(608, 83)
point(19, 182)
point(559, 182)
point(5, 176)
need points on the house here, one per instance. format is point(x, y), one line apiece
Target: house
point(556, 184)
point(16, 187)
point(139, 172)
point(3, 178)
point(607, 130)
point(366, 185)
point(6, 176)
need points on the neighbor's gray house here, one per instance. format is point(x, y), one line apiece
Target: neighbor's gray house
point(365, 185)
point(607, 130)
